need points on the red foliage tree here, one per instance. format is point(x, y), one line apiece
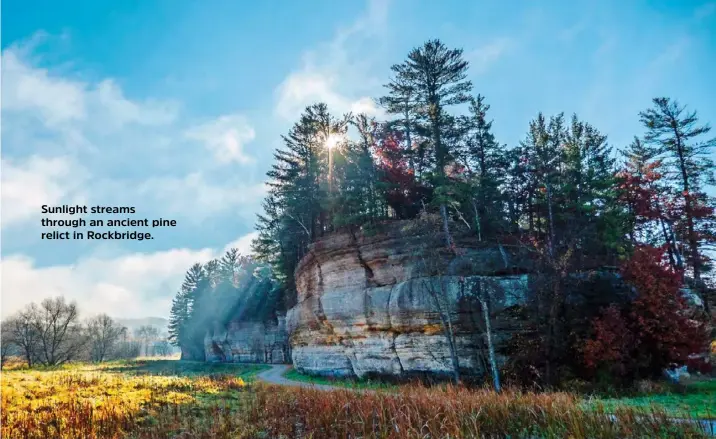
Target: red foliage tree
point(657, 329)
point(610, 347)
point(397, 181)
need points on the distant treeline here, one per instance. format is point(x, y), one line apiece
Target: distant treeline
point(233, 287)
point(51, 333)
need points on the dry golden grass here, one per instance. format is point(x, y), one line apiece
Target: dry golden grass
point(116, 400)
point(175, 399)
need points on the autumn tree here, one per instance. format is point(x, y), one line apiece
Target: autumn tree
point(397, 184)
point(655, 330)
point(679, 140)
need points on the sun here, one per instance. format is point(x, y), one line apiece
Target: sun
point(333, 140)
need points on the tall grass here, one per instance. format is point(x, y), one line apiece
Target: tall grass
point(417, 412)
point(144, 400)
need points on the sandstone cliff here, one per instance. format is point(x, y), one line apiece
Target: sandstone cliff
point(367, 302)
point(248, 342)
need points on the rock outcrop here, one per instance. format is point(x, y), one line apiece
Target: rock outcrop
point(371, 303)
point(248, 342)
point(243, 321)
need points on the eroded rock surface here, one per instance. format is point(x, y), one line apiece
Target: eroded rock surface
point(248, 342)
point(372, 303)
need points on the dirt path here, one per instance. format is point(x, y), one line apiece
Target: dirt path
point(275, 376)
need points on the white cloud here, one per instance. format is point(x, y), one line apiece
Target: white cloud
point(120, 111)
point(197, 198)
point(62, 101)
point(56, 100)
point(30, 183)
point(335, 72)
point(138, 284)
point(243, 244)
point(68, 140)
point(225, 137)
point(483, 57)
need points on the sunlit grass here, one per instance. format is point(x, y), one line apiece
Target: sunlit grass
point(176, 399)
point(118, 398)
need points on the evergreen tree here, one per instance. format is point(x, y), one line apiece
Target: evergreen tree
point(228, 264)
point(487, 165)
point(589, 215)
point(299, 206)
point(178, 316)
point(401, 101)
point(357, 199)
point(436, 75)
point(183, 307)
point(674, 132)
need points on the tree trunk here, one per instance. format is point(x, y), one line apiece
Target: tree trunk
point(477, 221)
point(551, 220)
point(446, 228)
point(490, 346)
point(446, 323)
point(693, 242)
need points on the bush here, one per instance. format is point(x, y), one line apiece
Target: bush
point(656, 330)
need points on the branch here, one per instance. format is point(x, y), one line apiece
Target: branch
point(299, 222)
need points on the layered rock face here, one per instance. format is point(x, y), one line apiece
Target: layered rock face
point(375, 303)
point(248, 342)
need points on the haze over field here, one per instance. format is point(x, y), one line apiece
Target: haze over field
point(181, 119)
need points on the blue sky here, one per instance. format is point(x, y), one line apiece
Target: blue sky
point(175, 107)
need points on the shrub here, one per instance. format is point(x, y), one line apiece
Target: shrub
point(654, 331)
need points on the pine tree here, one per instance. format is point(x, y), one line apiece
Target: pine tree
point(487, 167)
point(590, 216)
point(228, 264)
point(299, 206)
point(183, 307)
point(357, 201)
point(401, 101)
point(178, 317)
point(674, 131)
point(436, 75)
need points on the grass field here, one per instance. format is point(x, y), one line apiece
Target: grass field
point(696, 400)
point(293, 374)
point(173, 399)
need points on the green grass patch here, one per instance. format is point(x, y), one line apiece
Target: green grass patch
point(349, 383)
point(695, 400)
point(186, 368)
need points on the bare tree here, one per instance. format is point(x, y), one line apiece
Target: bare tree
point(104, 333)
point(127, 348)
point(61, 337)
point(147, 335)
point(24, 334)
point(7, 345)
point(162, 348)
